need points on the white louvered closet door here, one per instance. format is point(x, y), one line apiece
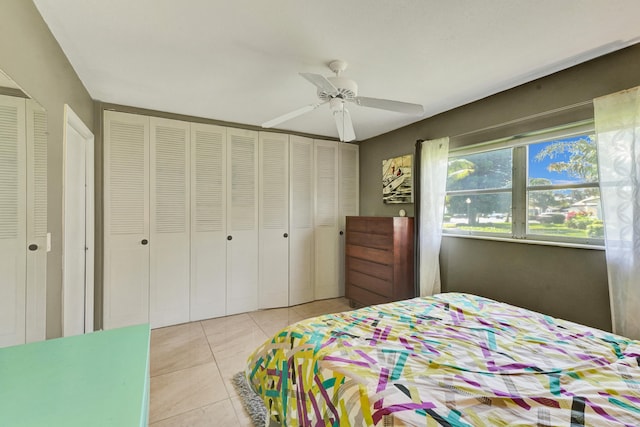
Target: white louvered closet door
point(301, 241)
point(326, 174)
point(36, 122)
point(273, 268)
point(242, 224)
point(12, 221)
point(126, 219)
point(169, 241)
point(349, 197)
point(208, 221)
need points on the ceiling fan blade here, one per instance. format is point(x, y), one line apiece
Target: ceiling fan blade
point(321, 83)
point(283, 118)
point(344, 125)
point(387, 104)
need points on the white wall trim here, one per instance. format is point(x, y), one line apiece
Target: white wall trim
point(73, 122)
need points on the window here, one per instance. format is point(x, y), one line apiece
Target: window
point(479, 192)
point(541, 187)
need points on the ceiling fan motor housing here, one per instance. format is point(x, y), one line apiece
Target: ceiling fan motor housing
point(347, 89)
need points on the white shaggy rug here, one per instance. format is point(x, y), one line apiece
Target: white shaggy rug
point(251, 401)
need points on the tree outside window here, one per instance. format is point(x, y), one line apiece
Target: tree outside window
point(561, 188)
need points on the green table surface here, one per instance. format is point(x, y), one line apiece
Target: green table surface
point(93, 380)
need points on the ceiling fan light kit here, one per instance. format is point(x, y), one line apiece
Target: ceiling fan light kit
point(336, 90)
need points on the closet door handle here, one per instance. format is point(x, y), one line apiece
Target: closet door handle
point(33, 247)
point(285, 235)
point(341, 232)
point(144, 241)
point(229, 237)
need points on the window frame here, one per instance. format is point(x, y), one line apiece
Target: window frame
point(520, 187)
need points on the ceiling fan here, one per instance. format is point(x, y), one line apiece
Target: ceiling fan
point(337, 91)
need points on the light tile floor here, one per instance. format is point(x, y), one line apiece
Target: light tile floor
point(192, 364)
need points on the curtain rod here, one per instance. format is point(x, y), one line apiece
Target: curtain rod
point(524, 119)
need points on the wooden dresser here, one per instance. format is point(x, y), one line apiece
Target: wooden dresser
point(379, 259)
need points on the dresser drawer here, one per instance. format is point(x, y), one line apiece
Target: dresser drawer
point(371, 225)
point(376, 255)
point(373, 284)
point(378, 241)
point(381, 271)
point(365, 297)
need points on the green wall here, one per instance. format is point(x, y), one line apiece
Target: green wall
point(564, 282)
point(31, 56)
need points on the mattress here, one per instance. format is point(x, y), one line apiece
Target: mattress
point(448, 360)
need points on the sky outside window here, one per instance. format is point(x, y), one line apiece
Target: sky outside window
point(540, 168)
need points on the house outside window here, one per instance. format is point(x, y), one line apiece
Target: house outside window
point(540, 187)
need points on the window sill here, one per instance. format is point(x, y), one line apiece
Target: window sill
point(527, 241)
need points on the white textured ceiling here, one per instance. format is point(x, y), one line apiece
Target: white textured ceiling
point(239, 60)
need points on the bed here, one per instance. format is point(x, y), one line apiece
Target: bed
point(448, 360)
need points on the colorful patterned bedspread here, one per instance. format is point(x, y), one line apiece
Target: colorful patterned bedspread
point(448, 360)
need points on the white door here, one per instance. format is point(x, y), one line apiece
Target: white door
point(126, 219)
point(242, 221)
point(349, 195)
point(208, 221)
point(301, 240)
point(13, 226)
point(169, 243)
point(77, 272)
point(273, 266)
point(36, 123)
point(326, 173)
